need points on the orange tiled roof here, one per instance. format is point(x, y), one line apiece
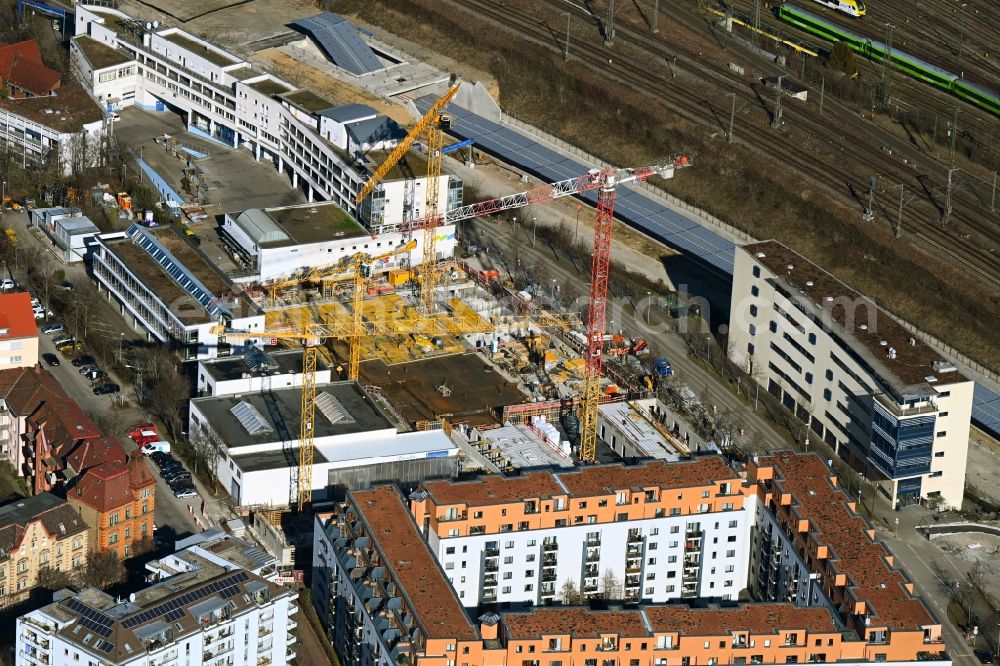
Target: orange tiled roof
point(21, 64)
point(15, 309)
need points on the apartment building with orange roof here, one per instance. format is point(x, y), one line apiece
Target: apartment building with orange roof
point(18, 329)
point(664, 531)
point(811, 544)
point(386, 598)
point(118, 501)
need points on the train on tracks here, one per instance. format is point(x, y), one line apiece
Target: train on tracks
point(874, 50)
point(854, 8)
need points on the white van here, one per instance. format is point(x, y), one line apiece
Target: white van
point(153, 447)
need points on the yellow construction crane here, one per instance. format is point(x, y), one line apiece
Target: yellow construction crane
point(311, 335)
point(431, 123)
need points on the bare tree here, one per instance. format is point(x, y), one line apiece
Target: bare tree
point(103, 569)
point(611, 585)
point(208, 448)
point(54, 579)
point(570, 593)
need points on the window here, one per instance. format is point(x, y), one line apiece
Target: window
point(507, 575)
point(943, 414)
point(829, 375)
point(128, 513)
point(529, 587)
point(756, 271)
point(755, 290)
point(671, 559)
point(113, 537)
point(509, 559)
point(114, 519)
point(827, 394)
point(732, 524)
point(652, 562)
point(750, 348)
point(43, 557)
point(128, 532)
point(753, 310)
point(812, 338)
point(809, 378)
point(730, 553)
point(450, 550)
point(942, 433)
point(22, 565)
point(670, 588)
point(772, 326)
point(674, 529)
point(506, 590)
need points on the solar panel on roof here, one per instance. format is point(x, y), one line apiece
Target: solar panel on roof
point(342, 43)
point(250, 418)
point(333, 409)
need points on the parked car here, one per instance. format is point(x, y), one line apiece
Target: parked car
point(62, 340)
point(81, 361)
point(95, 375)
point(40, 313)
point(185, 493)
point(67, 286)
point(69, 347)
point(984, 656)
point(107, 389)
point(49, 329)
point(142, 433)
point(7, 284)
point(87, 369)
point(161, 458)
point(51, 359)
point(174, 475)
point(155, 446)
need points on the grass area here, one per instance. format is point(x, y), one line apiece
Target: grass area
point(757, 195)
point(307, 608)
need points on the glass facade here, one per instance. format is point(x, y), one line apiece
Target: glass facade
point(901, 447)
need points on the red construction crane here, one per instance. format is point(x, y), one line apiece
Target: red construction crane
point(605, 181)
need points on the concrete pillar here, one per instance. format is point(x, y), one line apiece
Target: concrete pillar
point(281, 165)
point(309, 192)
point(295, 179)
point(256, 151)
point(236, 139)
point(211, 127)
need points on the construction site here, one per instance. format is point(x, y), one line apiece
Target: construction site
point(440, 344)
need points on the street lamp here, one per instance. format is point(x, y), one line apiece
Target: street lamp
point(534, 226)
point(552, 291)
point(3, 198)
point(647, 306)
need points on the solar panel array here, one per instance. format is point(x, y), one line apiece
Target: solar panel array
point(986, 409)
point(341, 42)
point(334, 410)
point(173, 610)
point(91, 619)
point(634, 207)
point(251, 419)
point(176, 271)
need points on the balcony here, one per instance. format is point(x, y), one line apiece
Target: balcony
point(290, 654)
point(449, 517)
point(549, 546)
point(634, 536)
point(491, 567)
point(548, 577)
point(492, 552)
point(593, 556)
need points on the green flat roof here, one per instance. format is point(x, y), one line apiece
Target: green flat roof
point(308, 100)
point(100, 55)
point(199, 49)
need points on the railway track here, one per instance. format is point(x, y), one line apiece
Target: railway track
point(838, 162)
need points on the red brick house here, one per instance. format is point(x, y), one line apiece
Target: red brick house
point(117, 501)
point(23, 74)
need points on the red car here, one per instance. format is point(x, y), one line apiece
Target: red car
point(143, 433)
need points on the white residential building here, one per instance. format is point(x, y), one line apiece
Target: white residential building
point(885, 401)
point(355, 443)
point(69, 125)
point(225, 98)
point(664, 531)
point(206, 611)
point(169, 291)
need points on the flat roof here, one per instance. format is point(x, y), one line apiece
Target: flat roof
point(846, 533)
point(314, 223)
point(200, 49)
point(99, 54)
point(911, 367)
point(412, 165)
point(598, 480)
point(405, 552)
point(576, 622)
point(234, 367)
point(286, 458)
point(281, 410)
point(154, 278)
point(758, 618)
point(67, 111)
point(607, 479)
point(270, 87)
point(307, 100)
point(522, 448)
point(642, 434)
